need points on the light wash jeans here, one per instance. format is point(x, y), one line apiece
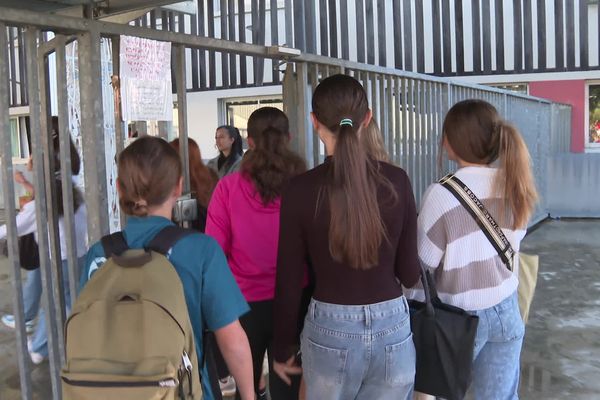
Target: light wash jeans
point(358, 352)
point(497, 351)
point(39, 340)
point(32, 293)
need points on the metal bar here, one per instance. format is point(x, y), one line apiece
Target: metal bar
point(231, 37)
point(382, 39)
point(195, 55)
point(390, 116)
point(119, 123)
point(541, 34)
point(323, 25)
point(475, 5)
point(559, 40)
point(299, 16)
point(499, 17)
point(420, 33)
point(397, 18)
point(408, 60)
point(305, 135)
point(446, 38)
point(383, 111)
point(202, 55)
point(486, 36)
point(311, 26)
point(370, 32)
point(458, 28)
point(313, 79)
point(224, 35)
point(410, 131)
point(22, 65)
point(404, 163)
point(49, 168)
point(11, 223)
point(528, 35)
point(518, 38)
point(289, 22)
point(41, 210)
point(344, 30)
point(182, 113)
point(242, 39)
point(418, 160)
point(583, 34)
point(274, 36)
point(333, 35)
point(212, 63)
point(262, 22)
point(570, 24)
point(360, 30)
point(13, 81)
point(437, 45)
point(65, 164)
point(395, 155)
point(92, 134)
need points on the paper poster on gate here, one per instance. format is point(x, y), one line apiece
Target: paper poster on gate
point(146, 91)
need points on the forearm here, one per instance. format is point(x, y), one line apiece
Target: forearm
point(234, 346)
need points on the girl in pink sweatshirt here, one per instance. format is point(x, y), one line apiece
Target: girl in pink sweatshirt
point(243, 216)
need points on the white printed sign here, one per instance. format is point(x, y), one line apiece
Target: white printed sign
point(146, 89)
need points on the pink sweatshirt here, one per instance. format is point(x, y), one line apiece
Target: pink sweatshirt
point(248, 232)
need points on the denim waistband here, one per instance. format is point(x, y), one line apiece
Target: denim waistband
point(367, 312)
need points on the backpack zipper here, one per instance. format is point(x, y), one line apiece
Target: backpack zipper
point(162, 383)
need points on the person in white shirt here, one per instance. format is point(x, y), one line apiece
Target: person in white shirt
point(26, 223)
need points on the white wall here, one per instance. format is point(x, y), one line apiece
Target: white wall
point(203, 114)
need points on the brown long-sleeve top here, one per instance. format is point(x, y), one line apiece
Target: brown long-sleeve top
point(303, 240)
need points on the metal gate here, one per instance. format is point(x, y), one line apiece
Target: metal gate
point(409, 108)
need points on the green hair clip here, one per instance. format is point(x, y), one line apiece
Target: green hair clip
point(346, 121)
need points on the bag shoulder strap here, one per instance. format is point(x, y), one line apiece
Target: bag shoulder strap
point(480, 214)
point(167, 237)
point(114, 244)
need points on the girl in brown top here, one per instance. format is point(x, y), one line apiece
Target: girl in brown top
point(352, 220)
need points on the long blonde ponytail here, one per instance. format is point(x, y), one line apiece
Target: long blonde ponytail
point(516, 179)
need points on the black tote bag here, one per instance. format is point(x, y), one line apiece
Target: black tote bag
point(29, 254)
point(444, 338)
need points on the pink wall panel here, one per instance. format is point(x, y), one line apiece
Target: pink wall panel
point(569, 92)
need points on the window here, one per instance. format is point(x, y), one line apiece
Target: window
point(593, 112)
point(237, 111)
point(512, 87)
point(15, 135)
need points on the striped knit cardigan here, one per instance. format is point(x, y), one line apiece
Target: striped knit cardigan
point(468, 271)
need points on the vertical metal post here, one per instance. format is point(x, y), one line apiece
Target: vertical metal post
point(41, 216)
point(119, 123)
point(390, 116)
point(65, 163)
point(289, 23)
point(303, 104)
point(11, 223)
point(92, 133)
point(182, 113)
point(56, 277)
point(397, 121)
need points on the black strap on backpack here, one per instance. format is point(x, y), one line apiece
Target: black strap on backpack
point(481, 215)
point(167, 237)
point(115, 244)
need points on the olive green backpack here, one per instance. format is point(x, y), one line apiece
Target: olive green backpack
point(129, 336)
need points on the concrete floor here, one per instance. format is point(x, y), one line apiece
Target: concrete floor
point(561, 355)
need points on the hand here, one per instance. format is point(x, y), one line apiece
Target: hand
point(284, 370)
point(20, 178)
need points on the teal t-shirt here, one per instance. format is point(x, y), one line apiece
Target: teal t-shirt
point(213, 298)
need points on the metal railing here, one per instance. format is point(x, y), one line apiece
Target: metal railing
point(409, 108)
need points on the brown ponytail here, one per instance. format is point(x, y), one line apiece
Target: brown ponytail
point(516, 180)
point(148, 171)
point(270, 164)
point(477, 134)
point(356, 229)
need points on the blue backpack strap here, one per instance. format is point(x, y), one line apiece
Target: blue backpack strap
point(114, 244)
point(167, 237)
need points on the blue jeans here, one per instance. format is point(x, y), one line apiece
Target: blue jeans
point(32, 293)
point(497, 351)
point(358, 352)
point(39, 340)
